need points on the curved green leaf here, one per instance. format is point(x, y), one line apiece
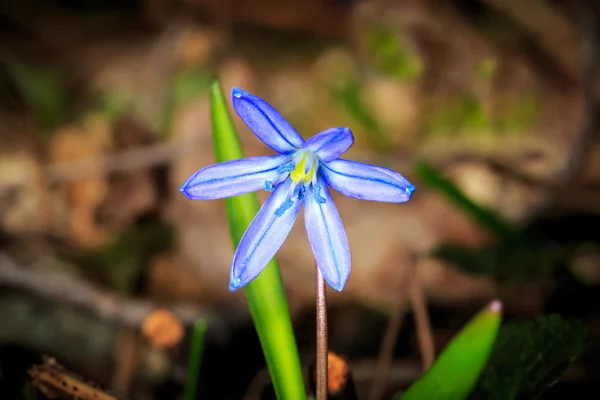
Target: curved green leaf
point(43, 90)
point(265, 294)
point(484, 217)
point(195, 359)
point(457, 369)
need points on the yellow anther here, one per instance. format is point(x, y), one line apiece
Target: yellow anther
point(298, 173)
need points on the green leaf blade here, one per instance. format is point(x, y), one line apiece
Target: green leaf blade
point(195, 359)
point(456, 371)
point(485, 218)
point(43, 90)
point(265, 294)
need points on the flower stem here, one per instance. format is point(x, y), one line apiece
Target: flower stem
point(322, 368)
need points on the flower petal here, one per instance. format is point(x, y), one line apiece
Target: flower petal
point(329, 144)
point(266, 123)
point(366, 182)
point(232, 178)
point(264, 236)
point(326, 235)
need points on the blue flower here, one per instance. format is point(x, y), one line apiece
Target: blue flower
point(301, 173)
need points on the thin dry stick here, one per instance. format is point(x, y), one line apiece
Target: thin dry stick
point(578, 155)
point(424, 335)
point(136, 159)
point(257, 385)
point(401, 373)
point(65, 288)
point(322, 368)
point(388, 344)
point(127, 359)
point(561, 42)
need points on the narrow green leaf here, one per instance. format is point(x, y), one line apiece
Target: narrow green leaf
point(486, 218)
point(195, 359)
point(505, 261)
point(455, 372)
point(349, 97)
point(29, 392)
point(189, 84)
point(113, 104)
point(265, 294)
point(186, 86)
point(393, 55)
point(43, 90)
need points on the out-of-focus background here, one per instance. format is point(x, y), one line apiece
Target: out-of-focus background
point(104, 114)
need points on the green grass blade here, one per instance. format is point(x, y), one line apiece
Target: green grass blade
point(349, 97)
point(486, 218)
point(265, 294)
point(456, 371)
point(43, 90)
point(195, 359)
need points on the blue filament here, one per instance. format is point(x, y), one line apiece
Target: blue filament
point(287, 167)
point(269, 187)
point(286, 205)
point(318, 198)
point(299, 191)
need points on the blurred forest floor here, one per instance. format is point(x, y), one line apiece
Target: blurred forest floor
point(104, 115)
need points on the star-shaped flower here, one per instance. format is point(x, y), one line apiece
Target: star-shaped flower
point(301, 174)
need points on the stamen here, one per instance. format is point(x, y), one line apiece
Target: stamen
point(310, 173)
point(298, 173)
point(287, 167)
point(286, 205)
point(269, 187)
point(317, 193)
point(313, 181)
point(299, 191)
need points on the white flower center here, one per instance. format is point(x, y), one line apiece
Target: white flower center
point(307, 164)
point(302, 169)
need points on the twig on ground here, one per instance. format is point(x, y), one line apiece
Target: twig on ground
point(419, 306)
point(551, 29)
point(579, 152)
point(157, 74)
point(54, 380)
point(257, 385)
point(401, 373)
point(131, 160)
point(127, 360)
point(61, 287)
point(388, 344)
